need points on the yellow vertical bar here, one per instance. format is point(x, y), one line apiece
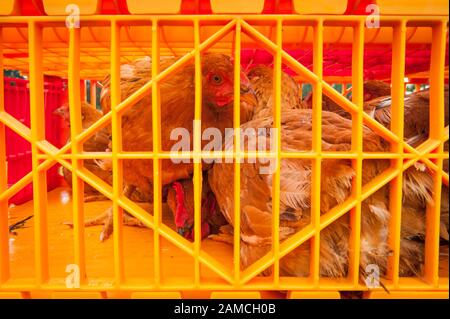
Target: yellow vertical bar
point(317, 148)
point(4, 233)
point(156, 126)
point(357, 147)
point(431, 271)
point(395, 196)
point(116, 138)
point(237, 149)
point(276, 177)
point(77, 148)
point(93, 92)
point(197, 154)
point(37, 113)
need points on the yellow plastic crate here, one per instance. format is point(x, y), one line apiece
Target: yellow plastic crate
point(320, 7)
point(436, 7)
point(154, 6)
point(45, 246)
point(236, 6)
point(85, 7)
point(9, 7)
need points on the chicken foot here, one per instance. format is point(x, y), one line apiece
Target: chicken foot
point(95, 198)
point(107, 219)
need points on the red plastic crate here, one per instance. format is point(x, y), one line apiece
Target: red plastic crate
point(18, 150)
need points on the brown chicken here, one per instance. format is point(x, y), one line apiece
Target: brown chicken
point(416, 114)
point(97, 143)
point(100, 142)
point(295, 200)
point(416, 131)
point(177, 99)
point(372, 89)
point(139, 69)
point(261, 78)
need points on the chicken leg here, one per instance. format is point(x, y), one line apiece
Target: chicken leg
point(106, 218)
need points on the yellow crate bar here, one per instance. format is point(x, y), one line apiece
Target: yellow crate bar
point(4, 230)
point(156, 130)
point(250, 154)
point(317, 148)
point(267, 260)
point(237, 159)
point(439, 38)
point(357, 147)
point(37, 112)
point(116, 141)
point(276, 176)
point(77, 165)
point(401, 155)
point(395, 189)
point(198, 178)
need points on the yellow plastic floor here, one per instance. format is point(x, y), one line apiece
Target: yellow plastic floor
point(138, 245)
point(138, 250)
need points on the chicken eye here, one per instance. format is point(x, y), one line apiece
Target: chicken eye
point(216, 79)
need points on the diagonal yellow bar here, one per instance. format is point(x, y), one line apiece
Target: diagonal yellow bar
point(16, 126)
point(141, 92)
point(327, 89)
point(326, 219)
